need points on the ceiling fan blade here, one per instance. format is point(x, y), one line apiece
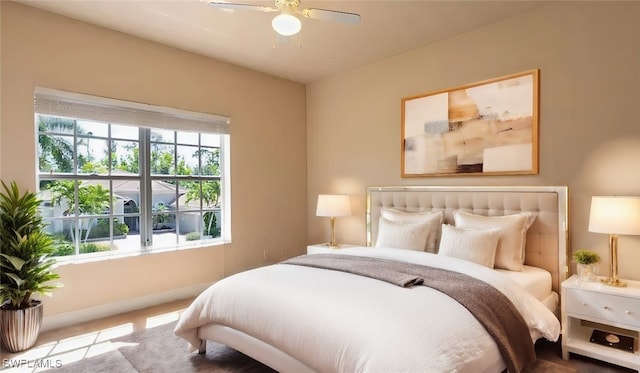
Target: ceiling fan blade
point(233, 6)
point(331, 15)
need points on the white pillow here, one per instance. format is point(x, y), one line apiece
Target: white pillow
point(409, 236)
point(473, 245)
point(513, 235)
point(432, 218)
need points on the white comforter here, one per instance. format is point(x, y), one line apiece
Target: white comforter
point(338, 322)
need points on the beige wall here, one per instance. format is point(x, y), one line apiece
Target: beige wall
point(589, 138)
point(588, 57)
point(268, 159)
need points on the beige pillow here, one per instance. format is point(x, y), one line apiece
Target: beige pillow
point(432, 218)
point(473, 245)
point(513, 235)
point(408, 236)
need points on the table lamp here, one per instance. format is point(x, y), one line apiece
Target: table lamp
point(332, 206)
point(614, 215)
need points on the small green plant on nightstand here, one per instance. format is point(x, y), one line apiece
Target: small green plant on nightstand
point(586, 259)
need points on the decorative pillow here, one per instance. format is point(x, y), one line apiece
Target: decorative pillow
point(432, 218)
point(513, 235)
point(473, 245)
point(409, 236)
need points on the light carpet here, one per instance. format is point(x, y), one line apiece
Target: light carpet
point(159, 350)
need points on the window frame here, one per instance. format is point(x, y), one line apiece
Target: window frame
point(54, 103)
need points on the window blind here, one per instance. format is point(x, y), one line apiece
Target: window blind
point(55, 102)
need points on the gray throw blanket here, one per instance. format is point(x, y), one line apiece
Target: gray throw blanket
point(490, 307)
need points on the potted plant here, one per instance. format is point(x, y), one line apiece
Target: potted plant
point(586, 264)
point(25, 268)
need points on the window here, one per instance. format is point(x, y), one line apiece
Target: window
point(118, 177)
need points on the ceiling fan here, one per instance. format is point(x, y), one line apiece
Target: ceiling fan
point(286, 23)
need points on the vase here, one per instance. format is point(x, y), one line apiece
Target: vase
point(587, 272)
point(20, 328)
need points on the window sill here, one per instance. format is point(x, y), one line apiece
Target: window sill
point(96, 257)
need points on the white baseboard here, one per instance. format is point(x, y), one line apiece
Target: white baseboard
point(67, 319)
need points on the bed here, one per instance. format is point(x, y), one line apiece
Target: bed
point(298, 317)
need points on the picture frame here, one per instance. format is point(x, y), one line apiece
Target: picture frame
point(485, 128)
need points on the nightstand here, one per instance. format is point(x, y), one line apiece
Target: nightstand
point(592, 305)
point(324, 248)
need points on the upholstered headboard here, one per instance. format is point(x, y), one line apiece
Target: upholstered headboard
point(547, 238)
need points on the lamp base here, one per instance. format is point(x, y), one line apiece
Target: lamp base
point(612, 282)
point(334, 246)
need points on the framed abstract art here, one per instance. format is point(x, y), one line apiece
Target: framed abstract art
point(484, 128)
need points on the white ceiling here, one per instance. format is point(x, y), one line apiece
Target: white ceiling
point(245, 37)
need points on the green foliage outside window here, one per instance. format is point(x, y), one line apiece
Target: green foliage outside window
point(210, 225)
point(80, 147)
point(192, 236)
point(102, 229)
point(65, 248)
point(92, 200)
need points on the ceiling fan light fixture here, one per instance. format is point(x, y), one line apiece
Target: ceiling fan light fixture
point(286, 24)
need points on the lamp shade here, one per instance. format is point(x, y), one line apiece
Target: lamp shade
point(333, 205)
point(615, 215)
point(286, 24)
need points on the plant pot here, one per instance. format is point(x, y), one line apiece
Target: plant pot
point(19, 329)
point(587, 272)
